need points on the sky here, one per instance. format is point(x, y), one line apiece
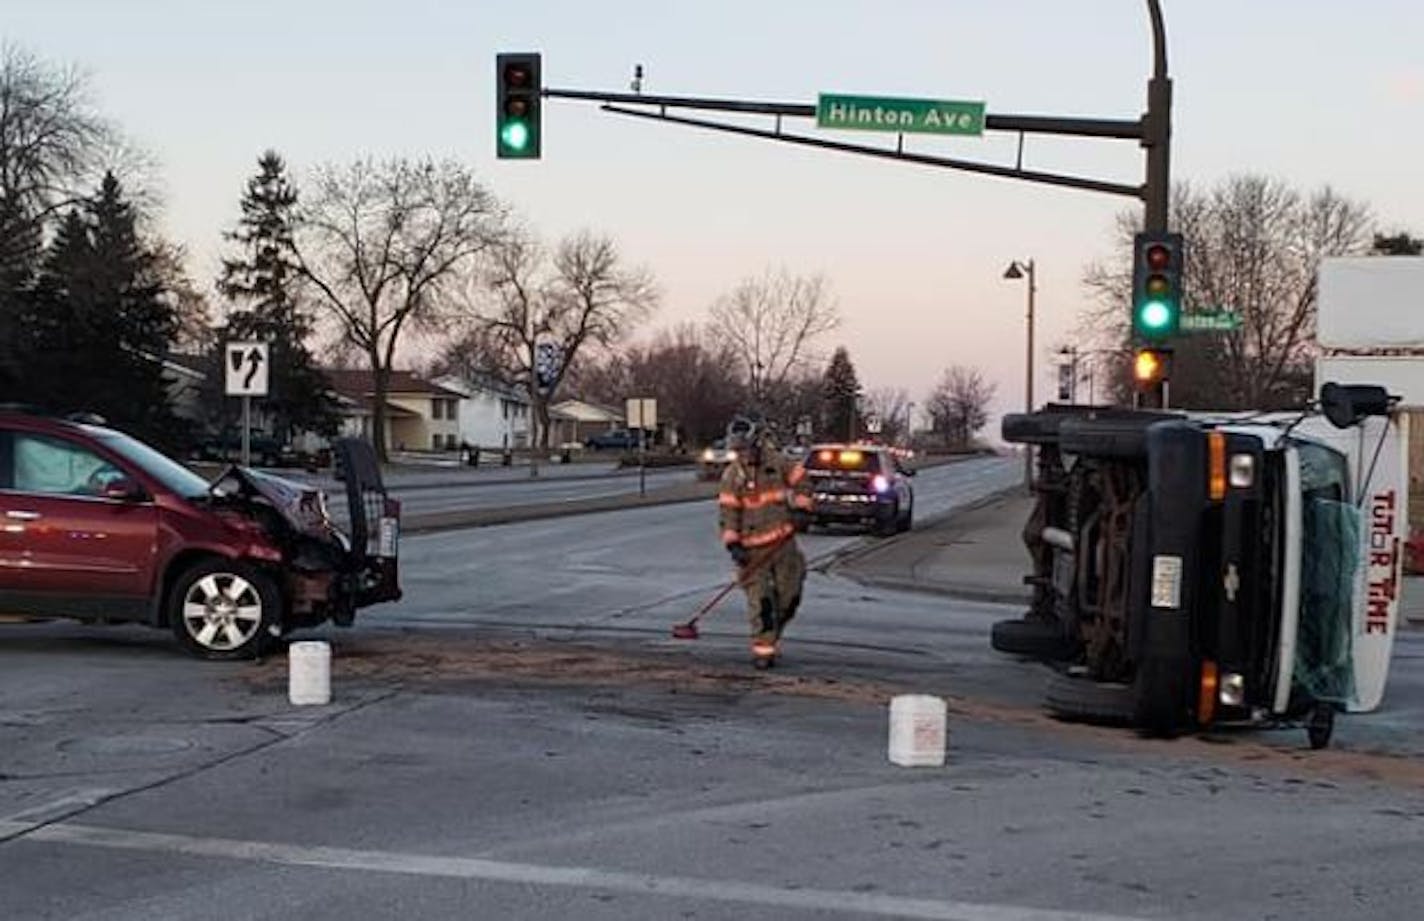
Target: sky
point(1312, 91)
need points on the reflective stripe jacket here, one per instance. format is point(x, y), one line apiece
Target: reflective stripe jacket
point(755, 502)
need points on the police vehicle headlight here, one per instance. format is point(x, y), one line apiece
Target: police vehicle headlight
point(1242, 470)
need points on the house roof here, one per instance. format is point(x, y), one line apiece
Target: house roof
point(360, 384)
point(583, 411)
point(471, 387)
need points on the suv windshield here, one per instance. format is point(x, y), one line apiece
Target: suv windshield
point(173, 475)
point(1330, 540)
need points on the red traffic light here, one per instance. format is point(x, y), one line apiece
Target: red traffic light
point(1158, 257)
point(516, 76)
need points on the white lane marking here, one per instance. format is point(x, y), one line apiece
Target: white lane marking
point(858, 903)
point(70, 803)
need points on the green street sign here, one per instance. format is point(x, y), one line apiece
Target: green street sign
point(1217, 321)
point(902, 116)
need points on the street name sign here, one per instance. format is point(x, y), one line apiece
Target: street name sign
point(899, 115)
point(246, 368)
point(1218, 321)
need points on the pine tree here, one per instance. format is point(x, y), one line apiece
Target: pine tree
point(97, 331)
point(263, 279)
point(840, 397)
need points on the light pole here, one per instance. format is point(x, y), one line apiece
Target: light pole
point(1015, 271)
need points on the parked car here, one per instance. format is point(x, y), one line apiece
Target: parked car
point(264, 449)
point(714, 460)
point(856, 484)
point(616, 439)
point(100, 527)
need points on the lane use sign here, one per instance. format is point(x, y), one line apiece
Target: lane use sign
point(246, 369)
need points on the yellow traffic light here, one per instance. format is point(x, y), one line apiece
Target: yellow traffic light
point(1150, 367)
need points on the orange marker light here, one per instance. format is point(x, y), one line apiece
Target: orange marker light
point(1216, 466)
point(1206, 700)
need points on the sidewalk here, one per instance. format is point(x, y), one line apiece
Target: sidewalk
point(979, 555)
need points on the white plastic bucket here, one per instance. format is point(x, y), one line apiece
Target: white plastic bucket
point(309, 673)
point(917, 730)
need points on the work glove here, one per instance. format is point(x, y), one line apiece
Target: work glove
point(740, 555)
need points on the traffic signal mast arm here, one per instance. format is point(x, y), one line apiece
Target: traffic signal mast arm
point(656, 108)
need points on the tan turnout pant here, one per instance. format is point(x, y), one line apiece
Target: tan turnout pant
point(774, 591)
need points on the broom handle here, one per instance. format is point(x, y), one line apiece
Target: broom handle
point(741, 579)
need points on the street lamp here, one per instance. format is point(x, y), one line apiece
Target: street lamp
point(1014, 272)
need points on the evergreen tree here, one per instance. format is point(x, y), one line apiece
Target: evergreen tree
point(98, 328)
point(21, 251)
point(263, 280)
point(840, 397)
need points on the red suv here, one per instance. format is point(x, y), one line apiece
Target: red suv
point(100, 527)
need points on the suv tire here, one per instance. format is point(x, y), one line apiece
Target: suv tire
point(223, 609)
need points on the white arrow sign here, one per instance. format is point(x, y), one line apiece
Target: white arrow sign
point(246, 368)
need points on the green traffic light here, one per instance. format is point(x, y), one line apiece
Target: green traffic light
point(514, 135)
point(1154, 316)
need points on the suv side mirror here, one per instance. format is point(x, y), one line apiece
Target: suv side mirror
point(122, 489)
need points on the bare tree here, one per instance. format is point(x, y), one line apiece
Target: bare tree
point(771, 321)
point(959, 404)
point(692, 375)
point(891, 406)
point(385, 245)
point(577, 297)
point(1253, 245)
point(50, 140)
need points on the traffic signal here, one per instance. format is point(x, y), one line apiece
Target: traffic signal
point(1156, 285)
point(1151, 367)
point(517, 106)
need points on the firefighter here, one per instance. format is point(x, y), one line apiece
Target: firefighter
point(758, 490)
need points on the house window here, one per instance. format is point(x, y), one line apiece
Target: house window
point(437, 410)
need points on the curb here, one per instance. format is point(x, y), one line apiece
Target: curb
point(868, 544)
point(481, 518)
point(984, 595)
point(861, 549)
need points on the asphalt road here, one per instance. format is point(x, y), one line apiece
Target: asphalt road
point(521, 738)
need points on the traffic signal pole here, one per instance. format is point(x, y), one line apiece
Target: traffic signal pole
point(1153, 131)
point(1157, 130)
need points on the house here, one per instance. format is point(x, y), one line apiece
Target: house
point(492, 415)
point(185, 377)
point(575, 421)
point(420, 415)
